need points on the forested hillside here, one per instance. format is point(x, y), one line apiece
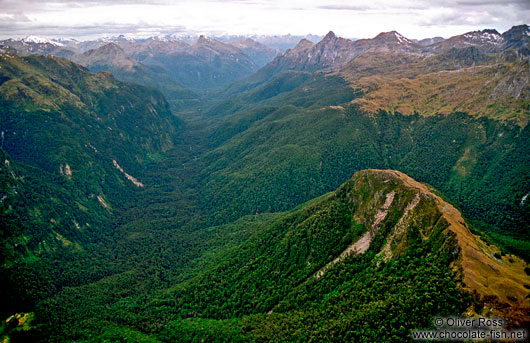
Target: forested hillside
point(72, 143)
point(306, 148)
point(287, 276)
point(235, 217)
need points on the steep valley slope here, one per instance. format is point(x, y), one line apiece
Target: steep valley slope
point(288, 279)
point(454, 117)
point(238, 220)
point(72, 143)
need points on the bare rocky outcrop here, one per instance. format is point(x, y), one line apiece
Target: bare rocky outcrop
point(391, 205)
point(103, 202)
point(499, 282)
point(129, 177)
point(65, 170)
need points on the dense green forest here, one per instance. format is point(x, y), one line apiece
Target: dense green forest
point(304, 149)
point(234, 216)
point(267, 263)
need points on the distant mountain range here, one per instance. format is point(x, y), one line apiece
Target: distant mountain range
point(208, 63)
point(379, 65)
point(279, 42)
point(335, 52)
point(204, 64)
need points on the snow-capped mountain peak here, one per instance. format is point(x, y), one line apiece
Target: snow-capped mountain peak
point(485, 35)
point(40, 40)
point(401, 38)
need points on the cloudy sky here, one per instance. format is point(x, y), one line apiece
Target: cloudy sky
point(353, 19)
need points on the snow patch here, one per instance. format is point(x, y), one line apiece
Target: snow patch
point(400, 38)
point(34, 39)
point(492, 36)
point(40, 40)
point(65, 40)
point(159, 38)
point(484, 36)
point(126, 38)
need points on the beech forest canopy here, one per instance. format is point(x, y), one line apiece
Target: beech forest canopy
point(261, 188)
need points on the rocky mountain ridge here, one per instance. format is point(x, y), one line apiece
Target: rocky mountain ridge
point(333, 52)
point(205, 63)
point(498, 281)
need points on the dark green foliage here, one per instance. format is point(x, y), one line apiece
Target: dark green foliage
point(288, 251)
point(127, 123)
point(72, 118)
point(268, 263)
point(302, 153)
point(362, 302)
point(186, 258)
point(205, 330)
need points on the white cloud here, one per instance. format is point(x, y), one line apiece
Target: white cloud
point(361, 19)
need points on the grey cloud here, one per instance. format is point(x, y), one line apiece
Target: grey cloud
point(464, 21)
point(14, 18)
point(482, 13)
point(380, 6)
point(345, 7)
point(525, 4)
point(105, 29)
point(11, 6)
point(15, 15)
point(86, 3)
